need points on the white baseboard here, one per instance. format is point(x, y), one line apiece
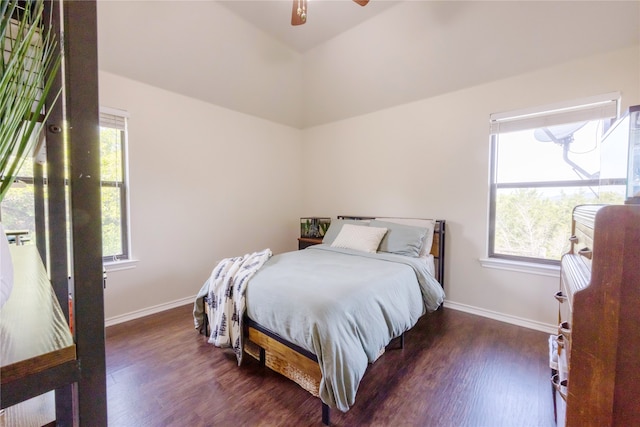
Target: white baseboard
point(514, 320)
point(147, 311)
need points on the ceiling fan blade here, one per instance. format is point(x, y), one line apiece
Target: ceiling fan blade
point(299, 12)
point(362, 2)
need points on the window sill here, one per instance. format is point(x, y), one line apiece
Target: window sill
point(521, 267)
point(125, 264)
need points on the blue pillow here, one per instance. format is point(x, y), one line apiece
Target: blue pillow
point(400, 239)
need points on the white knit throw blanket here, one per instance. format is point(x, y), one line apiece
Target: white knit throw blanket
point(227, 289)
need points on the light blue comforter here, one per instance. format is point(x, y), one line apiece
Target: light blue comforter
point(344, 306)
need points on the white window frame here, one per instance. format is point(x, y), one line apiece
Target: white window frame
point(591, 108)
point(118, 119)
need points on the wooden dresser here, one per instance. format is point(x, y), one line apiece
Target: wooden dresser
point(598, 342)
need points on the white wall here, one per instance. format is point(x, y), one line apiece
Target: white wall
point(206, 183)
point(430, 159)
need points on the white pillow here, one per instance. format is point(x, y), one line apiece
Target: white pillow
point(429, 224)
point(336, 226)
point(359, 238)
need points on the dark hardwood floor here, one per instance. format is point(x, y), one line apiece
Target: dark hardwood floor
point(456, 369)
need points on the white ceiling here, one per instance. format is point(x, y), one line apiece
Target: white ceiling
point(326, 18)
point(347, 60)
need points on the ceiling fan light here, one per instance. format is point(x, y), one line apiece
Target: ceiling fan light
point(299, 12)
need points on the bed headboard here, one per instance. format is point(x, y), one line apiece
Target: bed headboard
point(437, 247)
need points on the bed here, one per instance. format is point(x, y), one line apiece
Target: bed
point(319, 316)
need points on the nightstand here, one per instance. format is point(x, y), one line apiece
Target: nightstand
point(304, 242)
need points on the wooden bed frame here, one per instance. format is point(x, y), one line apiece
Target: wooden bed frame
point(298, 364)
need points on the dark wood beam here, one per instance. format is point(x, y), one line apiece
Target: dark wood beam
point(81, 77)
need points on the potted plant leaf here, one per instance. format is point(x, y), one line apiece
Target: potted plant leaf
point(28, 66)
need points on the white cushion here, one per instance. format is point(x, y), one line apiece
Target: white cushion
point(336, 226)
point(359, 238)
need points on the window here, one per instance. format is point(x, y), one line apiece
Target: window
point(18, 205)
point(543, 163)
point(113, 180)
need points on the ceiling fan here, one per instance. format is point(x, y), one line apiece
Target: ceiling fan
point(299, 11)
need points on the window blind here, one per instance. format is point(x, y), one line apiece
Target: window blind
point(592, 108)
point(112, 118)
